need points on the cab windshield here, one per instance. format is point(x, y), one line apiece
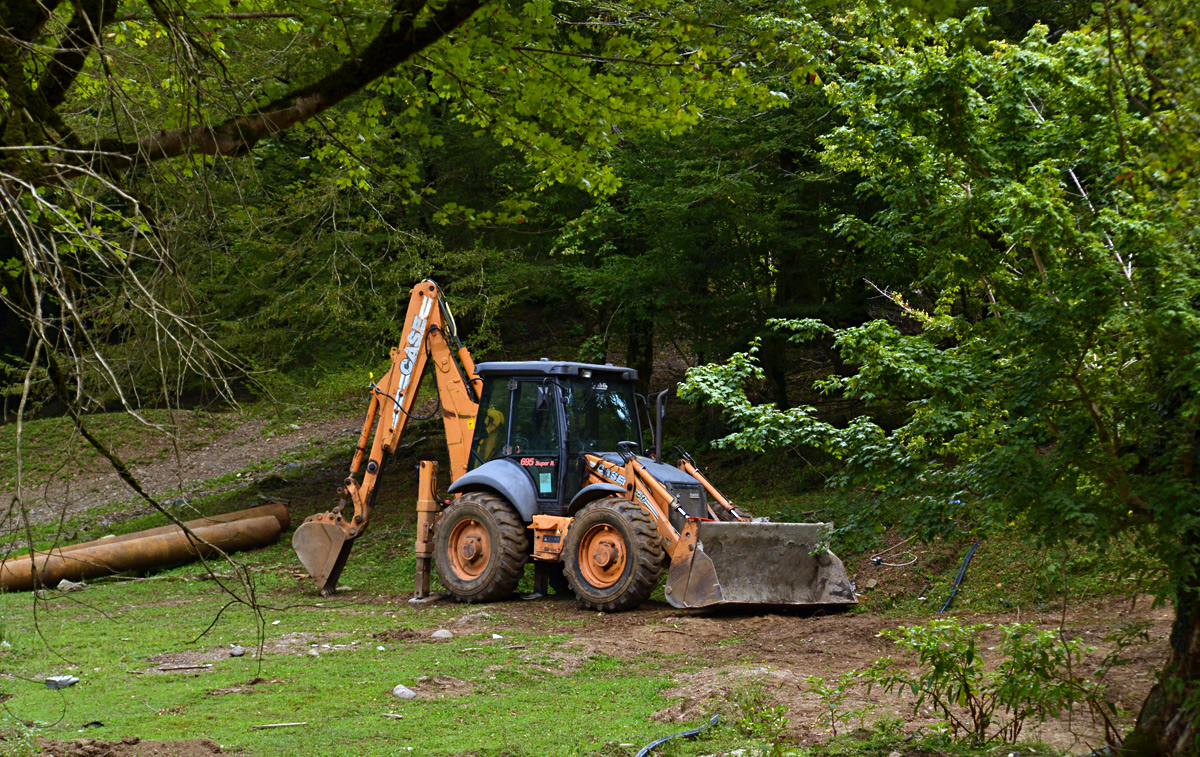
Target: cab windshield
point(600, 413)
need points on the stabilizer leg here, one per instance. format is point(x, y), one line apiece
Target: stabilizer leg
point(428, 509)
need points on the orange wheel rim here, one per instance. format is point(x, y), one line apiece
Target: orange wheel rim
point(602, 555)
point(470, 549)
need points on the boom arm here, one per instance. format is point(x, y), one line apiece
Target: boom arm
point(428, 328)
point(323, 541)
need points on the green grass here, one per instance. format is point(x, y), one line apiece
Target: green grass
point(341, 694)
point(107, 634)
point(49, 445)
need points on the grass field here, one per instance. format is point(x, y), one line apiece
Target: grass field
point(517, 678)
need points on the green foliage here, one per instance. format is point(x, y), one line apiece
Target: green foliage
point(1039, 675)
point(832, 695)
point(298, 254)
point(1047, 353)
point(717, 229)
point(759, 718)
point(1051, 382)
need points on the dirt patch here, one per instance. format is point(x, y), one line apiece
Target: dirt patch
point(401, 634)
point(130, 747)
point(666, 634)
point(442, 687)
point(195, 660)
point(716, 690)
point(426, 634)
point(295, 642)
point(776, 652)
point(190, 661)
point(476, 618)
point(249, 687)
point(750, 691)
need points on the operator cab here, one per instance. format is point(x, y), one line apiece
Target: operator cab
point(544, 415)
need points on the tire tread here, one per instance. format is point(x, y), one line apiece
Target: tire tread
point(646, 554)
point(512, 549)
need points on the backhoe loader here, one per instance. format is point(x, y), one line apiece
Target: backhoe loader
point(547, 464)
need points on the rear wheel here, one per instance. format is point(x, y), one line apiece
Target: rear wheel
point(480, 548)
point(613, 555)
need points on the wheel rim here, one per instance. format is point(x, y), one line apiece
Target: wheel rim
point(469, 548)
point(602, 555)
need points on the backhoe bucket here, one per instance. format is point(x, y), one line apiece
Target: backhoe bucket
point(756, 564)
point(322, 547)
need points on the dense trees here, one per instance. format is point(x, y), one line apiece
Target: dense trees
point(98, 95)
point(1053, 383)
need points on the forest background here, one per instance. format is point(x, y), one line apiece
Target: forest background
point(941, 251)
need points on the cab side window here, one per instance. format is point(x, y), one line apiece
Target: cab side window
point(491, 425)
point(534, 428)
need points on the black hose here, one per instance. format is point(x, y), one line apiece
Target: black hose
point(962, 571)
point(682, 734)
point(436, 410)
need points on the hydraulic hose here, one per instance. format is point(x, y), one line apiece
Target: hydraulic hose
point(962, 571)
point(682, 734)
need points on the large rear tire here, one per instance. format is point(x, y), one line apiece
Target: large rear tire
point(613, 555)
point(480, 548)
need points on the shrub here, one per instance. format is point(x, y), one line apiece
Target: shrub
point(1037, 677)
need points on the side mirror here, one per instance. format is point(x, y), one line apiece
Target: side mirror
point(543, 398)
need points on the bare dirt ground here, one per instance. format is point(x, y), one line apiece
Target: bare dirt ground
point(778, 652)
point(131, 747)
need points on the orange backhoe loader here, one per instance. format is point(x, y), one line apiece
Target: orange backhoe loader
point(555, 448)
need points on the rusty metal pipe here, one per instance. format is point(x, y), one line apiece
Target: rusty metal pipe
point(277, 511)
point(172, 547)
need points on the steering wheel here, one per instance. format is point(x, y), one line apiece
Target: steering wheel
point(518, 443)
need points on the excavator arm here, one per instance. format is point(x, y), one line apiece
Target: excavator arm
point(430, 339)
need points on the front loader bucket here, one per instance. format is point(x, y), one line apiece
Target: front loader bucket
point(756, 564)
point(322, 547)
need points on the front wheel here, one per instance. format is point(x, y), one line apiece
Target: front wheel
point(480, 548)
point(613, 555)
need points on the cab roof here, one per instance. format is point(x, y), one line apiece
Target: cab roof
point(546, 367)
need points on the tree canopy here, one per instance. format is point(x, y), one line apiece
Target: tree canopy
point(1048, 182)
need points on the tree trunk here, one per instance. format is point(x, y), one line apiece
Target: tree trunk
point(1167, 724)
point(773, 357)
point(639, 352)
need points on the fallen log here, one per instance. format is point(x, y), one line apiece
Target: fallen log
point(144, 550)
